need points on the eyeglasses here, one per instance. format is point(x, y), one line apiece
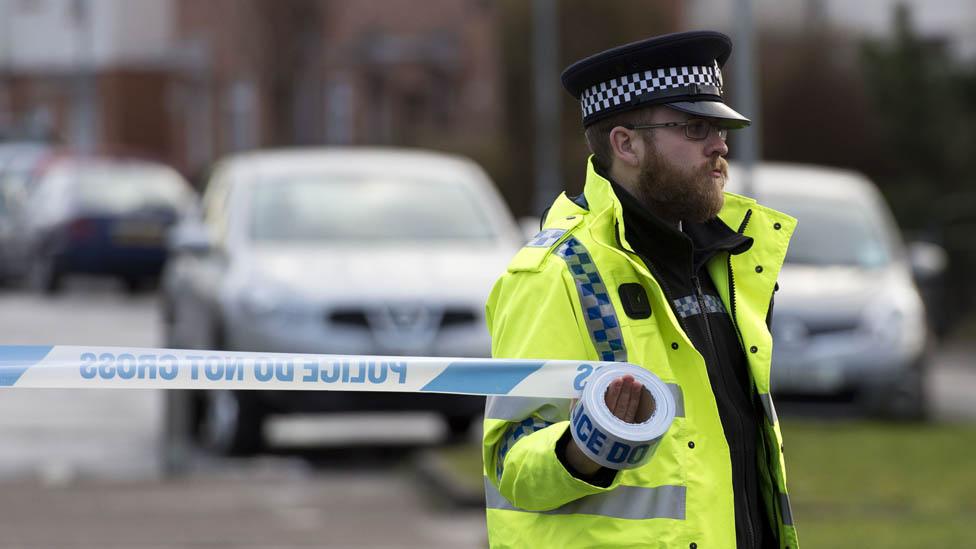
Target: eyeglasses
point(696, 129)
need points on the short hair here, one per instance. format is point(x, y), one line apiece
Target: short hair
point(598, 133)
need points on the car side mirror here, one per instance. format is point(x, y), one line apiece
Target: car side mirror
point(927, 260)
point(190, 237)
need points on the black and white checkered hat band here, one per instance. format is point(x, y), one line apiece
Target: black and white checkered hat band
point(620, 91)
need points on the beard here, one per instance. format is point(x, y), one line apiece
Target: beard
point(682, 195)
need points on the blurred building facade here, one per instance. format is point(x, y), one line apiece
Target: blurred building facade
point(85, 72)
point(189, 81)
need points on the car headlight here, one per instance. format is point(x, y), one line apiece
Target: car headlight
point(896, 320)
point(267, 302)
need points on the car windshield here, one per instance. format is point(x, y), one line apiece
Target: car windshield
point(129, 188)
point(834, 232)
point(365, 208)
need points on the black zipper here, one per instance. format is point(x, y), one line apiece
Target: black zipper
point(701, 305)
point(742, 230)
point(700, 297)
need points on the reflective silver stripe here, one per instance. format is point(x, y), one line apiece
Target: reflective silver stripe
point(679, 399)
point(624, 502)
point(785, 510)
point(518, 408)
point(767, 402)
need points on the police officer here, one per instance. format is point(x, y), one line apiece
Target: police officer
point(655, 265)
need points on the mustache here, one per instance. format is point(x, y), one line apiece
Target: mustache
point(719, 164)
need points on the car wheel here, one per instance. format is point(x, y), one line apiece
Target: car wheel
point(906, 399)
point(232, 423)
point(458, 427)
point(132, 285)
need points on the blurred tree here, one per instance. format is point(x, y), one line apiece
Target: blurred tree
point(926, 103)
point(816, 106)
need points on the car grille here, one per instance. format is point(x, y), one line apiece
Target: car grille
point(793, 330)
point(831, 326)
point(457, 317)
point(359, 318)
point(349, 318)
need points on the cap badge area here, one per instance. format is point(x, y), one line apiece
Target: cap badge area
point(651, 84)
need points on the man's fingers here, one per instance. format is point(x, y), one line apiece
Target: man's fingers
point(645, 408)
point(623, 402)
point(613, 393)
point(636, 389)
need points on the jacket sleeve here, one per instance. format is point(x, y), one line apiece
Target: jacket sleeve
point(534, 315)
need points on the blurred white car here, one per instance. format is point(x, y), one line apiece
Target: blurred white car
point(342, 251)
point(848, 319)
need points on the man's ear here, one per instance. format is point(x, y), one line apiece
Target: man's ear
point(623, 143)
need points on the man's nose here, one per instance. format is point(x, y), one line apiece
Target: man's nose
point(715, 144)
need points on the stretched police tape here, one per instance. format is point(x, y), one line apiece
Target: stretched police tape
point(607, 439)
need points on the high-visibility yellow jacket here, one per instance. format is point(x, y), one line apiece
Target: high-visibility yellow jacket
point(559, 300)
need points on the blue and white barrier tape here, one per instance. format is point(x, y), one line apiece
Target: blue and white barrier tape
point(597, 431)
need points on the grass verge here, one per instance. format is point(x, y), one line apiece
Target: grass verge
point(859, 484)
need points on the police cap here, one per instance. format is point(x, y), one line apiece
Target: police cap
point(681, 70)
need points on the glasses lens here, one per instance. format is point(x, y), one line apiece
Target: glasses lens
point(723, 133)
point(697, 129)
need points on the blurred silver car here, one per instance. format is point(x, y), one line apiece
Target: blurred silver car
point(343, 251)
point(849, 322)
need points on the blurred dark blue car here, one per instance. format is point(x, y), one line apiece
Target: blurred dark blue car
point(100, 216)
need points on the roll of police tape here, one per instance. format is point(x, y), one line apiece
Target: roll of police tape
point(607, 439)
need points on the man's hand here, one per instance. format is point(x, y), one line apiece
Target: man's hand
point(626, 399)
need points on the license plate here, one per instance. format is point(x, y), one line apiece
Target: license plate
point(139, 233)
point(816, 377)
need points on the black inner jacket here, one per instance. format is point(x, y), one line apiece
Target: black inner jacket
point(677, 261)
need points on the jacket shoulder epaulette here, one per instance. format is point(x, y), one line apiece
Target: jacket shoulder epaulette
point(532, 256)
